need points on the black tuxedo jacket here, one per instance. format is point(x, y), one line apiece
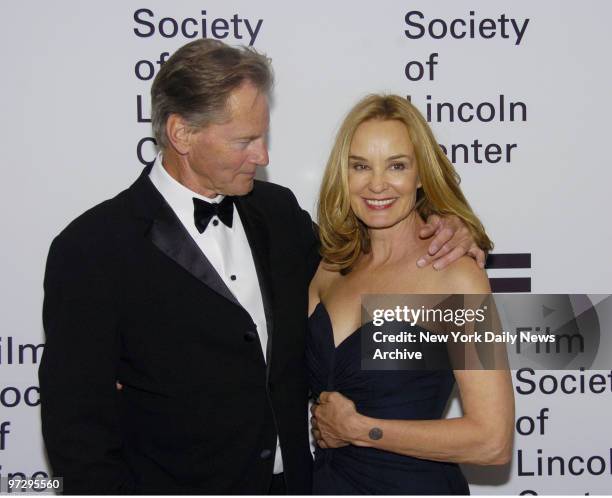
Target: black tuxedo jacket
point(129, 297)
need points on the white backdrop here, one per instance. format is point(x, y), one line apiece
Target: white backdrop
point(70, 131)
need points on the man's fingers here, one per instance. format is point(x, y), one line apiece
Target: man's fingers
point(454, 255)
point(431, 226)
point(478, 254)
point(427, 259)
point(452, 240)
point(441, 238)
point(443, 251)
point(427, 231)
point(424, 260)
point(324, 397)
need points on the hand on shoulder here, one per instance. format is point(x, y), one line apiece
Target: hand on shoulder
point(463, 276)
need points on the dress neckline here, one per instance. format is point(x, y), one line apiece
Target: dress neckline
point(330, 329)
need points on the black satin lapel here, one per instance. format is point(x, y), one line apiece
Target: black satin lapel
point(258, 236)
point(170, 236)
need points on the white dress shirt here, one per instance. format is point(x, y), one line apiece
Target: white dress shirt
point(226, 248)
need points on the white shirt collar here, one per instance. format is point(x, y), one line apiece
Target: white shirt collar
point(176, 194)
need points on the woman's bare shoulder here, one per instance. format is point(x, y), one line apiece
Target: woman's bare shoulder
point(324, 276)
point(464, 276)
point(321, 281)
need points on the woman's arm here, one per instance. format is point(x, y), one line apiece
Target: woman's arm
point(483, 435)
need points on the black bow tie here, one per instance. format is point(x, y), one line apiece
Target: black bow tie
point(204, 211)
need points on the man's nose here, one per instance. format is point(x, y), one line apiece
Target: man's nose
point(260, 154)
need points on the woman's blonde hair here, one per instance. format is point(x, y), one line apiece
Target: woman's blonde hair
point(343, 236)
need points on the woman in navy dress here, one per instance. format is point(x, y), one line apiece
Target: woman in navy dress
point(382, 432)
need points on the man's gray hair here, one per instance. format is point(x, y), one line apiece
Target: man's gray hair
point(197, 80)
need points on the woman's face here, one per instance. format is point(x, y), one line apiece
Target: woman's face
point(382, 175)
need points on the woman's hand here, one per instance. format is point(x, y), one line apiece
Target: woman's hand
point(334, 415)
point(452, 240)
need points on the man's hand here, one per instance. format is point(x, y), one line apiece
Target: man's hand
point(333, 415)
point(452, 240)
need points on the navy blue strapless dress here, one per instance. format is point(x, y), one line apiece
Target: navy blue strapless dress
point(408, 395)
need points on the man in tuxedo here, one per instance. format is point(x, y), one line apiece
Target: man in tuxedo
point(189, 289)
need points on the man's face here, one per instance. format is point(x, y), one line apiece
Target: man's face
point(223, 158)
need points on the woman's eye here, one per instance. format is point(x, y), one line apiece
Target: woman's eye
point(359, 166)
point(398, 166)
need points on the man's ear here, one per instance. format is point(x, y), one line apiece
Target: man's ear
point(178, 133)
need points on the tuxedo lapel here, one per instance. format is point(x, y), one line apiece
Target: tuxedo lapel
point(170, 237)
point(168, 234)
point(257, 233)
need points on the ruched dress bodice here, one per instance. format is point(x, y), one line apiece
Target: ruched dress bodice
point(384, 394)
